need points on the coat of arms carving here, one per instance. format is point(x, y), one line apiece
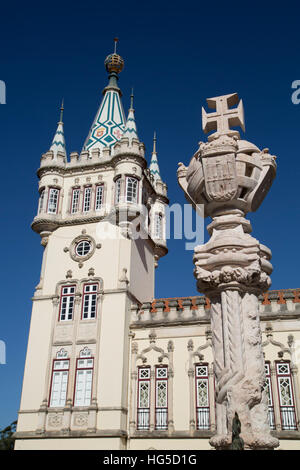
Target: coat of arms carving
point(220, 177)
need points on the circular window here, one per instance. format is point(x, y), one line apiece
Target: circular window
point(83, 248)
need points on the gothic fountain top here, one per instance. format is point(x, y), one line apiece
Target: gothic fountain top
point(227, 173)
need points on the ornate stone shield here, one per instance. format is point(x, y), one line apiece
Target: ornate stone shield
point(220, 177)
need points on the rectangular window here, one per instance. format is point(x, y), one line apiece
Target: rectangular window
point(87, 199)
point(118, 191)
point(286, 396)
point(75, 201)
point(89, 302)
point(131, 189)
point(268, 390)
point(84, 380)
point(161, 398)
point(53, 200)
point(143, 405)
point(41, 202)
point(59, 383)
point(99, 197)
point(67, 302)
point(202, 397)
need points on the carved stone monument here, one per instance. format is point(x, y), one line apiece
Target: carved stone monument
point(230, 177)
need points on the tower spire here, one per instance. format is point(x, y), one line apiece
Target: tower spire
point(154, 168)
point(130, 128)
point(109, 123)
point(58, 142)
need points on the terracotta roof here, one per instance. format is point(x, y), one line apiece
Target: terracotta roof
point(278, 296)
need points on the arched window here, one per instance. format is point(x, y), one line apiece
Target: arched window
point(131, 189)
point(286, 396)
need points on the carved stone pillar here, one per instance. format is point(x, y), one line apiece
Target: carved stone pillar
point(230, 177)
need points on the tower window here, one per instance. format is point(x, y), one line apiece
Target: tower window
point(117, 190)
point(83, 383)
point(89, 302)
point(83, 248)
point(41, 201)
point(131, 189)
point(53, 200)
point(161, 398)
point(99, 197)
point(158, 227)
point(59, 383)
point(87, 199)
point(75, 201)
point(67, 302)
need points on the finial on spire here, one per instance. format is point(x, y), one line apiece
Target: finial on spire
point(116, 42)
point(131, 99)
point(154, 142)
point(114, 62)
point(61, 111)
point(154, 168)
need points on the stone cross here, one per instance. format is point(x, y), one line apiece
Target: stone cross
point(224, 117)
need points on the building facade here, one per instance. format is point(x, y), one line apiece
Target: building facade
point(107, 366)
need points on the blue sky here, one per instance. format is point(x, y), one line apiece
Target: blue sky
point(176, 55)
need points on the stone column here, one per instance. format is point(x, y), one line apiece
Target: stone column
point(276, 403)
point(152, 400)
point(294, 371)
point(170, 387)
point(230, 177)
point(191, 376)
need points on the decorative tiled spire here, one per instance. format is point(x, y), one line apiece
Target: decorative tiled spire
point(130, 128)
point(154, 168)
point(58, 142)
point(109, 123)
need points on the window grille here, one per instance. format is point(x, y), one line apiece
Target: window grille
point(202, 397)
point(161, 398)
point(143, 408)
